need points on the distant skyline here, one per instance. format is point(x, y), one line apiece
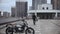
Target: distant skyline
point(6, 5)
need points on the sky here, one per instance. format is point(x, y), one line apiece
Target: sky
point(6, 5)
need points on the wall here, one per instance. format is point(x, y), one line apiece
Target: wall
point(45, 6)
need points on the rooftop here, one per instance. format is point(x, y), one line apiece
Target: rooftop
point(21, 0)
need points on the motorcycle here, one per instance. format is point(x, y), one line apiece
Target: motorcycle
point(19, 28)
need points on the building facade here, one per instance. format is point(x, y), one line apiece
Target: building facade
point(21, 8)
point(0, 13)
point(30, 7)
point(45, 7)
point(45, 14)
point(35, 3)
point(56, 4)
point(45, 11)
point(6, 14)
point(13, 11)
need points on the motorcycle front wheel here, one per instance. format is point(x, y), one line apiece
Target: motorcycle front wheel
point(29, 31)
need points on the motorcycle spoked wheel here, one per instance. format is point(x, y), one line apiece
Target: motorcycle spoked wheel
point(29, 31)
point(7, 31)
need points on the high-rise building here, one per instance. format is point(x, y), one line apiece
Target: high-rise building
point(30, 7)
point(35, 3)
point(21, 8)
point(13, 11)
point(56, 4)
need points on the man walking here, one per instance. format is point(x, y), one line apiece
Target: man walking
point(34, 18)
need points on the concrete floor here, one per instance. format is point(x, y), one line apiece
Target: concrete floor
point(45, 26)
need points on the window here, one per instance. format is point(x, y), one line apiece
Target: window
point(47, 8)
point(58, 14)
point(43, 8)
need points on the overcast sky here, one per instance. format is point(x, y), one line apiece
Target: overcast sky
point(5, 5)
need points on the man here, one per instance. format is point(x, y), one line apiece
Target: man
point(34, 18)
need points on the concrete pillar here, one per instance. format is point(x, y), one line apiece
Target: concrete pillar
point(56, 15)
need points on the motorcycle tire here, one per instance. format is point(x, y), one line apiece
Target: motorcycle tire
point(7, 31)
point(28, 30)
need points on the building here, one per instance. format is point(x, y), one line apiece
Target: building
point(35, 3)
point(30, 7)
point(45, 7)
point(56, 4)
point(45, 11)
point(9, 14)
point(0, 13)
point(6, 14)
point(13, 11)
point(45, 14)
point(21, 8)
